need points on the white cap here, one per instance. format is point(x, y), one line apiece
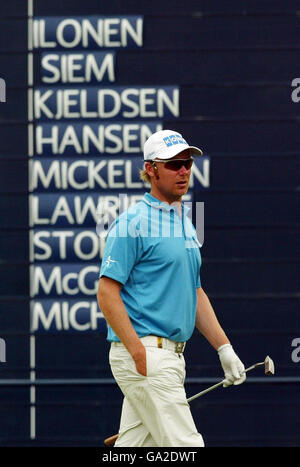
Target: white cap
point(165, 144)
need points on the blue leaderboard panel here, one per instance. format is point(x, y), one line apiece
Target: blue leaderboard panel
point(87, 32)
point(116, 174)
point(66, 316)
point(117, 102)
point(92, 138)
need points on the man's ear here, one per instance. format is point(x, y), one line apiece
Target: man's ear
point(150, 169)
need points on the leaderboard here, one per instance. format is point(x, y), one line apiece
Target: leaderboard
point(87, 135)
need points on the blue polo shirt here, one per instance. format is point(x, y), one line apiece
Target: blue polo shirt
point(154, 253)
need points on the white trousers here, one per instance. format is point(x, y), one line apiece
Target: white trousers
point(155, 411)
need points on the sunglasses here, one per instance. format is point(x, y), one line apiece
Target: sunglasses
point(176, 164)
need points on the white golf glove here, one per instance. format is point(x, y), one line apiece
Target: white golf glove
point(232, 366)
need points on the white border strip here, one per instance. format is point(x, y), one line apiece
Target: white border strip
point(30, 139)
point(30, 7)
point(29, 66)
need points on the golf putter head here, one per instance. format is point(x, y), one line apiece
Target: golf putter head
point(269, 366)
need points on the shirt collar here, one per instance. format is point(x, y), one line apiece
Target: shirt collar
point(158, 204)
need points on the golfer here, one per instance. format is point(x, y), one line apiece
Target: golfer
point(151, 297)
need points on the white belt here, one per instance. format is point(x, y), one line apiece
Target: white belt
point(160, 342)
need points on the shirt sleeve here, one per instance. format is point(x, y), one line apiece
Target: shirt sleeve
point(121, 252)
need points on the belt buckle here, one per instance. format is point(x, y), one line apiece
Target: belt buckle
point(159, 342)
point(179, 346)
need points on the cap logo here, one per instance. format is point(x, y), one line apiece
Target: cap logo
point(174, 139)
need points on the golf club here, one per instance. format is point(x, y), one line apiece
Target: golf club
point(269, 370)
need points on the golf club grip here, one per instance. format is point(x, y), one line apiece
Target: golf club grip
point(111, 440)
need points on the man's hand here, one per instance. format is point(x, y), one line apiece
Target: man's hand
point(139, 357)
point(232, 366)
